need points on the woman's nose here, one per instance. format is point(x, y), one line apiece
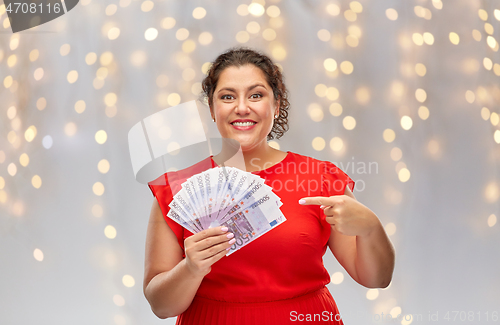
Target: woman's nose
point(242, 107)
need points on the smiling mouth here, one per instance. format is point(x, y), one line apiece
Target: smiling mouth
point(243, 123)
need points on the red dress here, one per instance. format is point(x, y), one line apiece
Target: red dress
point(280, 277)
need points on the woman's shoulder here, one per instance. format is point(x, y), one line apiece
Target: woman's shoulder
point(311, 160)
point(307, 165)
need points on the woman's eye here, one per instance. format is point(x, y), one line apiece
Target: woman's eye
point(231, 96)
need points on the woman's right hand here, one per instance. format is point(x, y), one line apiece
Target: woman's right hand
point(207, 247)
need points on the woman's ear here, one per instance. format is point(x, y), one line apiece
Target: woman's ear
point(212, 114)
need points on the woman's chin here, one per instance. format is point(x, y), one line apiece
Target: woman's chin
point(246, 142)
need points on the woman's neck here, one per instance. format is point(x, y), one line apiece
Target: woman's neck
point(258, 158)
point(254, 159)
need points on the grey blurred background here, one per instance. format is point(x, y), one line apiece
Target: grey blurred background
point(410, 87)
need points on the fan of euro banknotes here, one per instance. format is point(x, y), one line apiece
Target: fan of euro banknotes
point(227, 196)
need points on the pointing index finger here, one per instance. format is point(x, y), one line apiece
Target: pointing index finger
point(322, 200)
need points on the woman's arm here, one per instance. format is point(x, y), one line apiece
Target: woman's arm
point(357, 239)
point(170, 281)
point(368, 257)
point(168, 285)
point(375, 258)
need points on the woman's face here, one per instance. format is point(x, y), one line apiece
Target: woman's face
point(243, 94)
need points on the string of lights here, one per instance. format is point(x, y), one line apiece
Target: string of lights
point(70, 88)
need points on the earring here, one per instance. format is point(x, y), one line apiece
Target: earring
point(213, 120)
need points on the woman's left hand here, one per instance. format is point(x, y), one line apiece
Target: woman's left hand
point(347, 215)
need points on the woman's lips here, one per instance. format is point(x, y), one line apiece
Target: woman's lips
point(243, 128)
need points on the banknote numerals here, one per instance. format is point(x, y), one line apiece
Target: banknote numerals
point(242, 240)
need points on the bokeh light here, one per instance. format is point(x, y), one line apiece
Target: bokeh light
point(98, 188)
point(36, 181)
point(168, 23)
point(318, 143)
point(151, 34)
point(492, 220)
point(64, 49)
point(47, 142)
point(147, 6)
point(199, 13)
point(315, 112)
point(335, 109)
point(256, 9)
point(97, 211)
point(390, 228)
point(72, 76)
point(404, 175)
point(330, 64)
point(118, 300)
point(391, 14)
point(336, 144)
point(38, 254)
point(101, 136)
point(337, 277)
point(454, 38)
point(103, 166)
point(349, 122)
point(372, 294)
point(110, 232)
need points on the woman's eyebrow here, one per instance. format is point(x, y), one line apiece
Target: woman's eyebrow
point(248, 89)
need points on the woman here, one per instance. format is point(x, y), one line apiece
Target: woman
point(279, 278)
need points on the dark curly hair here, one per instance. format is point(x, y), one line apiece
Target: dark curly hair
point(239, 56)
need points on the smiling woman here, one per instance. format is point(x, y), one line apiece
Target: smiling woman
point(281, 275)
point(244, 109)
point(249, 102)
point(267, 76)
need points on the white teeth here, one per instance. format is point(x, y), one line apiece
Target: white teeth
point(244, 123)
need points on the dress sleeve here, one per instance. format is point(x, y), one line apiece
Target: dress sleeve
point(164, 196)
point(334, 180)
